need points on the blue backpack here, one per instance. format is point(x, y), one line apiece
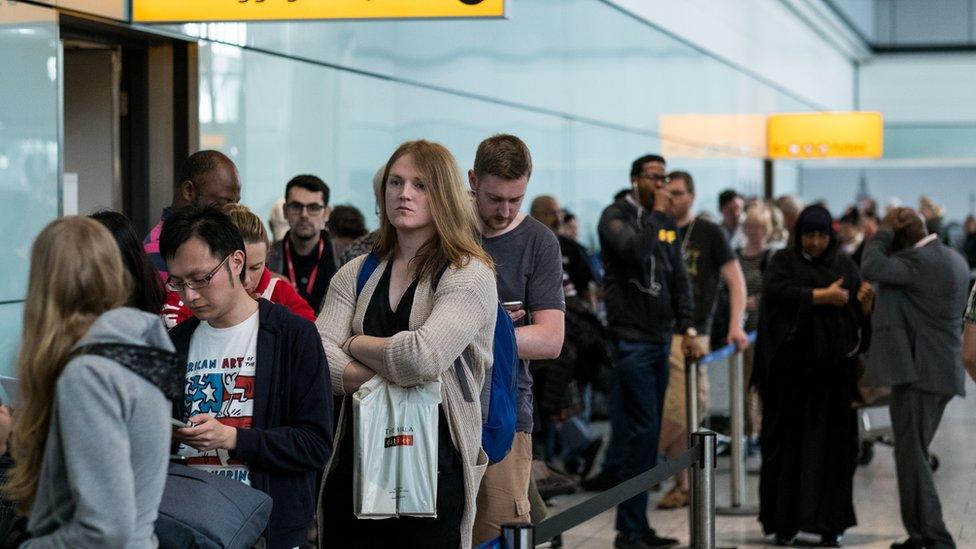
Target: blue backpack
point(498, 398)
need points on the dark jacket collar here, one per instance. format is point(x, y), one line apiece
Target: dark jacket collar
point(269, 321)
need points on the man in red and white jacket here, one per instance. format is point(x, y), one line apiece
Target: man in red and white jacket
point(279, 291)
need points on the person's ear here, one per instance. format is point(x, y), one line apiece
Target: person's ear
point(472, 181)
point(188, 191)
point(237, 261)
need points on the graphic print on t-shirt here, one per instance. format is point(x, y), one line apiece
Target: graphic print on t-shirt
point(220, 376)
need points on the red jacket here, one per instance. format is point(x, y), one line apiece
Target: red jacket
point(273, 289)
point(281, 292)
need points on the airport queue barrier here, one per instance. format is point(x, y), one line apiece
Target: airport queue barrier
point(737, 391)
point(700, 458)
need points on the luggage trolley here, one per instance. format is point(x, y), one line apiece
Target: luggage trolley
point(874, 427)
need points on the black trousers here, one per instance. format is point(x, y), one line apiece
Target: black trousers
point(342, 529)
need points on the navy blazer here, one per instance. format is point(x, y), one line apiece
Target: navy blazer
point(290, 441)
point(917, 320)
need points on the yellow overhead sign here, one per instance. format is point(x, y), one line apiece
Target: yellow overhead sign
point(173, 11)
point(825, 135)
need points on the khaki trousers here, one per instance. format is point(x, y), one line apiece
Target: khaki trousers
point(503, 497)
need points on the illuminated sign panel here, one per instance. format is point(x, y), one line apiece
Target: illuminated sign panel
point(825, 135)
point(176, 11)
point(712, 135)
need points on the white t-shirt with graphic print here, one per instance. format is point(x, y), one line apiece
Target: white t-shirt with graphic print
point(220, 376)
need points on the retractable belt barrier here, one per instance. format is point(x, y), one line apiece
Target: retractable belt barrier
point(701, 453)
point(725, 352)
point(737, 477)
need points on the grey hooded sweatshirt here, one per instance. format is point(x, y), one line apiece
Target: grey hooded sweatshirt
point(107, 448)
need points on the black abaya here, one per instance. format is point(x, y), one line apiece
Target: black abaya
point(806, 375)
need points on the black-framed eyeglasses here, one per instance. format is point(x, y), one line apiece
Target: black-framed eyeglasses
point(197, 284)
point(654, 177)
point(296, 208)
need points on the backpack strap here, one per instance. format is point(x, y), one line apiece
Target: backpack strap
point(436, 279)
point(366, 270)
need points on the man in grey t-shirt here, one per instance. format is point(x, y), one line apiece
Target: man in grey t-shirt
point(528, 267)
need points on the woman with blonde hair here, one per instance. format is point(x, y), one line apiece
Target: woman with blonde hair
point(91, 433)
point(258, 280)
point(408, 331)
point(754, 257)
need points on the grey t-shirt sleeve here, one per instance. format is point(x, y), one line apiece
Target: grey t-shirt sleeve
point(544, 288)
point(543, 291)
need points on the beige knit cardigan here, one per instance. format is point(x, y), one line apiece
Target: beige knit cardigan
point(458, 317)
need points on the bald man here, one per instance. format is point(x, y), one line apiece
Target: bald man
point(206, 178)
point(916, 349)
point(577, 272)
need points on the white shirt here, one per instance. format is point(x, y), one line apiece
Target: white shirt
point(926, 240)
point(220, 377)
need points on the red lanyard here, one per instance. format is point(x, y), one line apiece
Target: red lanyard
point(315, 270)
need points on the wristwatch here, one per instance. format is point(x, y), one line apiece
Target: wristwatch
point(691, 332)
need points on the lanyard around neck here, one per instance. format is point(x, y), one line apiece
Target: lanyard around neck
point(315, 270)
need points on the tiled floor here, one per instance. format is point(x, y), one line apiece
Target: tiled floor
point(876, 497)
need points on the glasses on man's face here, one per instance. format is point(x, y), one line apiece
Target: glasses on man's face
point(197, 284)
point(657, 178)
point(296, 208)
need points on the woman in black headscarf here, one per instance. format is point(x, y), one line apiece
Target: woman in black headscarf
point(812, 324)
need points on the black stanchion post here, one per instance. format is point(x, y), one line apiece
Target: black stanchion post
point(518, 536)
point(703, 492)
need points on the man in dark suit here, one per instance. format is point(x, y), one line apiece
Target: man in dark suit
point(916, 349)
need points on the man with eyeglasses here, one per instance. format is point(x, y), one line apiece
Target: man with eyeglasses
point(648, 298)
point(206, 178)
point(257, 387)
point(709, 260)
point(305, 255)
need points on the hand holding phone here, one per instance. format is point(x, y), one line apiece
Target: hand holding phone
point(516, 310)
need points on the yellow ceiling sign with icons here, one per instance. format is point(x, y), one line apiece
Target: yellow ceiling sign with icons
point(825, 135)
point(185, 11)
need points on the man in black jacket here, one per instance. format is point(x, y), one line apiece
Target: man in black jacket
point(648, 299)
point(257, 390)
point(306, 255)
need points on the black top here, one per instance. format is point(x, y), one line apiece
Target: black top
point(305, 264)
point(648, 294)
point(790, 320)
point(576, 265)
point(705, 250)
point(382, 321)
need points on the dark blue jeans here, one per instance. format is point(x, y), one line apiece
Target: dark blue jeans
point(638, 399)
